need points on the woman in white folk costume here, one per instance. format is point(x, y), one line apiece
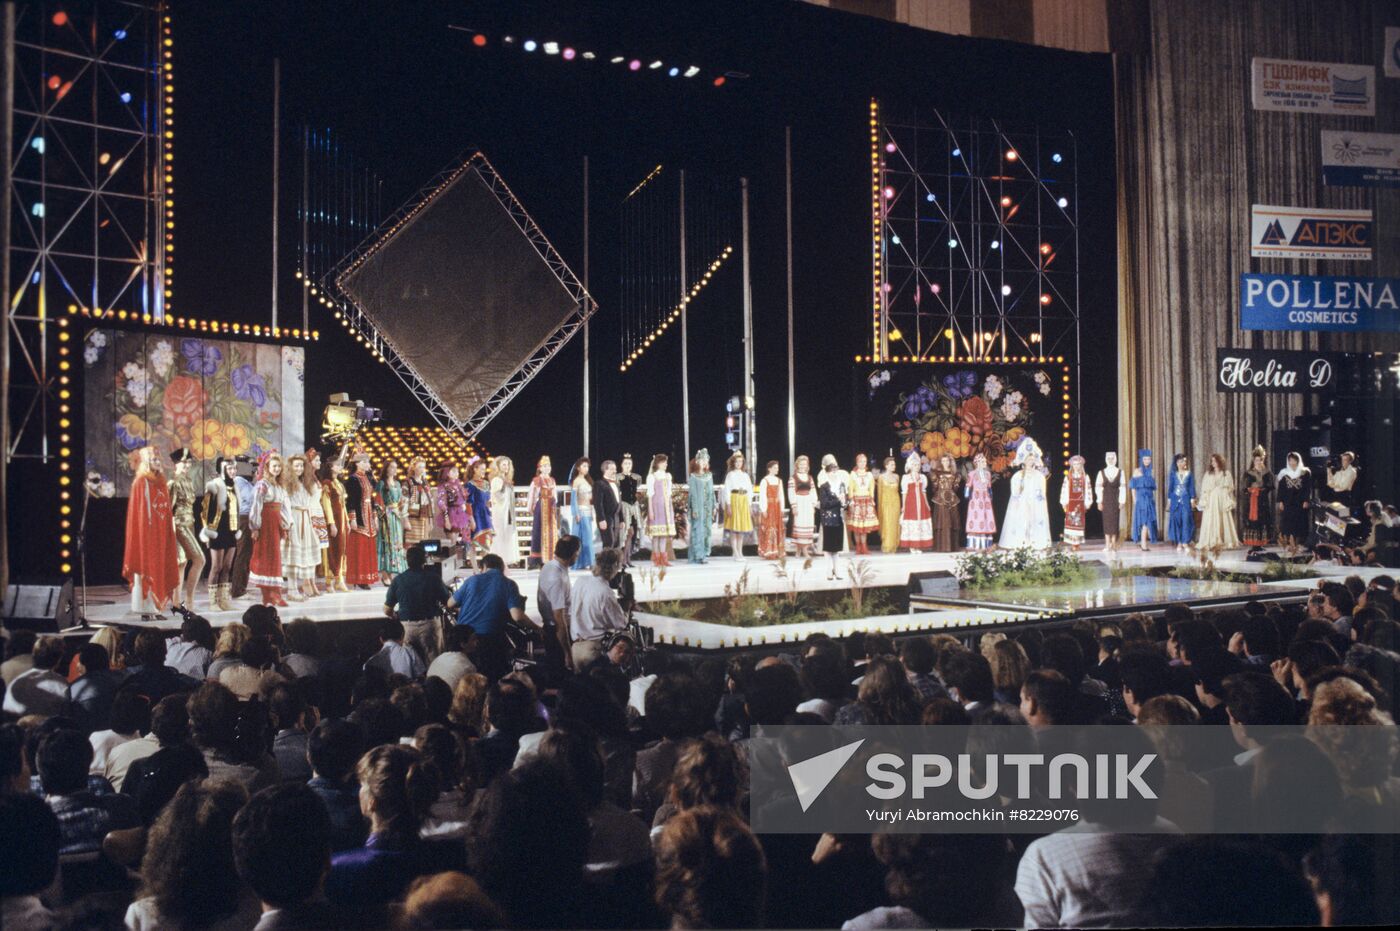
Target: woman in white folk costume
point(1110, 494)
point(1217, 503)
point(505, 543)
point(316, 505)
point(802, 502)
point(915, 515)
point(301, 551)
point(738, 503)
point(1076, 497)
point(1027, 521)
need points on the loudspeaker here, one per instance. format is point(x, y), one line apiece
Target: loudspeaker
point(938, 582)
point(44, 609)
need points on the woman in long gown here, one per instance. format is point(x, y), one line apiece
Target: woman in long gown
point(544, 514)
point(337, 523)
point(802, 500)
point(661, 516)
point(915, 518)
point(981, 520)
point(701, 487)
point(944, 493)
point(149, 562)
point(454, 514)
point(1217, 507)
point(581, 513)
point(391, 556)
point(1181, 502)
point(268, 522)
point(301, 550)
point(738, 503)
point(1027, 521)
point(1144, 488)
point(771, 492)
point(1076, 497)
point(504, 544)
point(317, 508)
point(418, 502)
point(831, 508)
point(887, 502)
point(863, 517)
point(1257, 509)
point(1110, 494)
point(1295, 490)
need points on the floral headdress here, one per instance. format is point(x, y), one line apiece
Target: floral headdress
point(1026, 450)
point(263, 460)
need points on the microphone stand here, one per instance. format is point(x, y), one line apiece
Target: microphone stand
point(81, 542)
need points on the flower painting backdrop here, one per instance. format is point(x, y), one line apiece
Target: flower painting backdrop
point(216, 396)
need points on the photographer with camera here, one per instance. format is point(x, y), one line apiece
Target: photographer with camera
point(487, 602)
point(596, 612)
point(415, 598)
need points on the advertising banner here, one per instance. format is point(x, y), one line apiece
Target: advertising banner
point(1309, 233)
point(1279, 371)
point(1360, 159)
point(1313, 87)
point(1315, 302)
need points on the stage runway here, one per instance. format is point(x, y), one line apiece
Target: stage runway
point(111, 604)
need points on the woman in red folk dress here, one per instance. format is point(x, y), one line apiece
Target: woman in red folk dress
point(772, 493)
point(268, 521)
point(149, 562)
point(361, 551)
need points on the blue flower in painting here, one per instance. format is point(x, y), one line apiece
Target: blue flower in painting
point(920, 402)
point(248, 386)
point(128, 440)
point(960, 385)
point(199, 358)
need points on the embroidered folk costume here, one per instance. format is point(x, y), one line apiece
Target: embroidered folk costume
point(301, 550)
point(981, 520)
point(389, 554)
point(1295, 491)
point(1217, 507)
point(863, 517)
point(419, 505)
point(269, 522)
point(661, 517)
point(1076, 497)
point(149, 562)
point(772, 496)
point(361, 507)
point(888, 504)
point(802, 502)
point(738, 503)
point(1027, 521)
point(453, 513)
point(915, 518)
point(478, 490)
point(1257, 505)
point(544, 514)
point(337, 524)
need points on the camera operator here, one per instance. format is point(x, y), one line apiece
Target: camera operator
point(595, 610)
point(415, 598)
point(486, 603)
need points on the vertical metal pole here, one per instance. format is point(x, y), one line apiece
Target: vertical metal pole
point(305, 207)
point(685, 348)
point(276, 170)
point(750, 434)
point(7, 111)
point(587, 403)
point(791, 357)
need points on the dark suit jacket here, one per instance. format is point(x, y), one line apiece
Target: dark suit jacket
point(605, 503)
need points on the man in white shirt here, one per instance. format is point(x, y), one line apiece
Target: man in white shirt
point(40, 690)
point(130, 716)
point(451, 666)
point(553, 591)
point(594, 609)
point(393, 656)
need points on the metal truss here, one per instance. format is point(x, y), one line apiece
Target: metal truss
point(976, 240)
point(88, 191)
point(548, 348)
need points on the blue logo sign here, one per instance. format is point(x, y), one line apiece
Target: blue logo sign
point(1311, 302)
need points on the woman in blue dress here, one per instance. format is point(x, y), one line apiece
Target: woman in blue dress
point(1144, 488)
point(478, 493)
point(581, 511)
point(1181, 503)
point(701, 507)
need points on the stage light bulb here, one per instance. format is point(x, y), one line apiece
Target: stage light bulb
point(692, 71)
point(1045, 299)
point(1005, 201)
point(674, 72)
point(634, 65)
point(894, 239)
point(889, 146)
point(615, 60)
point(895, 334)
point(1045, 248)
point(957, 153)
point(889, 193)
point(1056, 158)
point(930, 197)
point(996, 244)
point(719, 81)
point(1011, 155)
point(952, 244)
point(126, 96)
point(589, 56)
point(529, 45)
point(1005, 290)
point(1063, 202)
point(654, 65)
point(479, 40)
point(551, 48)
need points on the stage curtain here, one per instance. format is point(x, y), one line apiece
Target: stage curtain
point(1192, 156)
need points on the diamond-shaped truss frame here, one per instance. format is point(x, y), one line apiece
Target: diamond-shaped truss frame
point(976, 240)
point(87, 192)
point(354, 317)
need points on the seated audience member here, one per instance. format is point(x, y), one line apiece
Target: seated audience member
point(393, 657)
point(292, 720)
point(84, 818)
point(1256, 642)
point(709, 772)
point(90, 696)
point(917, 656)
point(1295, 790)
point(226, 652)
point(1047, 699)
point(130, 717)
point(29, 845)
point(192, 653)
point(618, 839)
point(771, 693)
point(1304, 659)
point(940, 880)
point(154, 779)
point(729, 713)
point(214, 714)
point(1347, 724)
point(468, 705)
point(825, 680)
point(1091, 874)
point(122, 758)
point(415, 599)
point(255, 672)
point(968, 677)
point(1064, 654)
point(528, 848)
point(585, 701)
point(152, 678)
point(1188, 799)
point(1105, 668)
point(1254, 703)
point(1145, 675)
point(676, 712)
point(41, 689)
point(884, 696)
point(282, 850)
point(333, 749)
point(449, 900)
point(303, 646)
point(1211, 882)
point(510, 714)
point(485, 603)
point(454, 663)
point(710, 871)
point(1010, 665)
point(19, 654)
point(594, 610)
point(396, 792)
point(944, 711)
point(1353, 881)
point(188, 877)
point(447, 817)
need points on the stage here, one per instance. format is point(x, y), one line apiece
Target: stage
point(685, 582)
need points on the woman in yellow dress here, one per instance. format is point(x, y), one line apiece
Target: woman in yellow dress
point(888, 503)
point(1217, 508)
point(738, 503)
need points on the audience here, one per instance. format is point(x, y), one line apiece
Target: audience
point(333, 749)
point(29, 848)
point(710, 871)
point(84, 817)
point(282, 850)
point(215, 728)
point(40, 689)
point(152, 679)
point(130, 715)
point(192, 653)
point(19, 654)
point(153, 780)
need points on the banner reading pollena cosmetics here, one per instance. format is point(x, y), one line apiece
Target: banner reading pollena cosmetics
point(1314, 302)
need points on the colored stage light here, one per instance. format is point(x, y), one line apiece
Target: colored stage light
point(996, 244)
point(948, 333)
point(634, 65)
point(37, 210)
point(104, 158)
point(1045, 248)
point(530, 45)
point(37, 144)
point(60, 18)
point(719, 81)
point(674, 72)
point(1056, 158)
point(692, 71)
point(935, 287)
point(895, 334)
point(1005, 201)
point(889, 192)
point(957, 153)
point(569, 54)
point(894, 239)
point(54, 82)
point(119, 35)
point(551, 48)
point(1045, 299)
point(1006, 290)
point(508, 40)
point(930, 197)
point(479, 40)
point(889, 146)
point(126, 96)
point(952, 244)
point(589, 56)
point(1063, 202)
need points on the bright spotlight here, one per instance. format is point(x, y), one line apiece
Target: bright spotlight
point(692, 71)
point(1063, 202)
point(530, 45)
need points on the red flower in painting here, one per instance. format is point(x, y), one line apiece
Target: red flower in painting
point(184, 402)
point(975, 415)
